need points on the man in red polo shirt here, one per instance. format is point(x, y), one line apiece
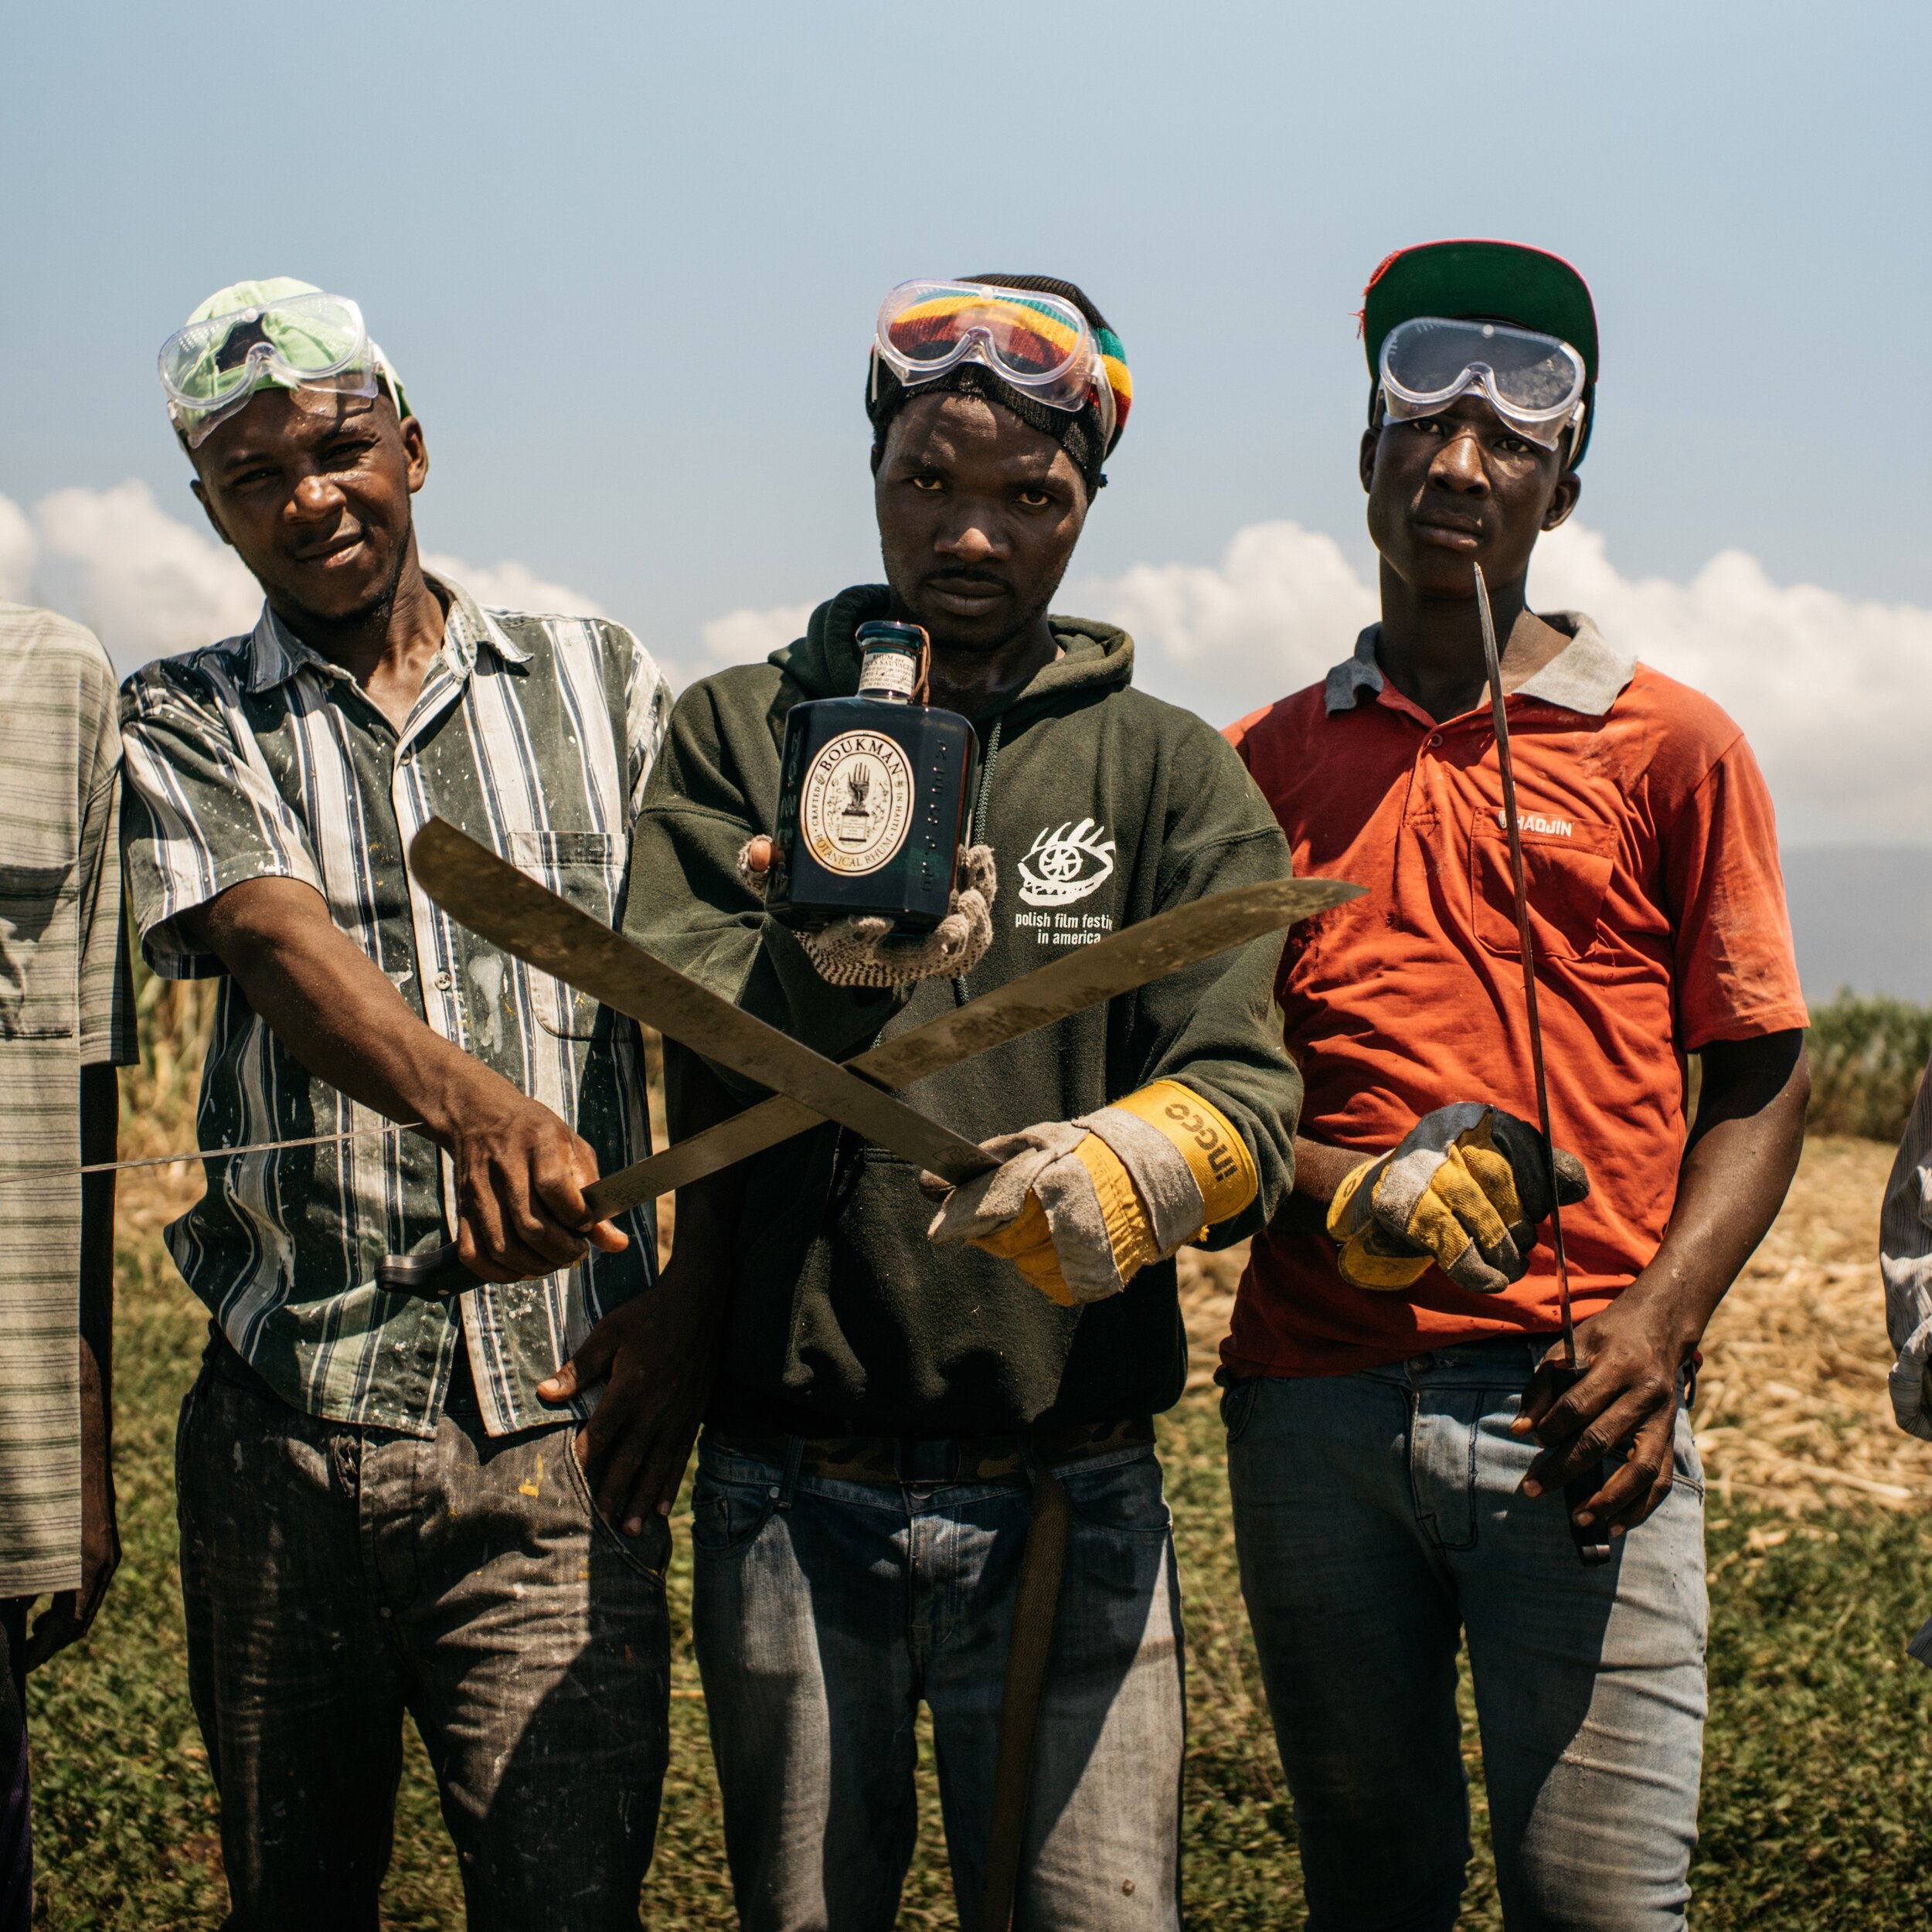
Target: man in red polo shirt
point(1396, 1456)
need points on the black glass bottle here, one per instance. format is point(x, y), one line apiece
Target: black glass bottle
point(872, 796)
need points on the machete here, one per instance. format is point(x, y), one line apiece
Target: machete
point(1085, 976)
point(494, 899)
point(1592, 1540)
point(510, 909)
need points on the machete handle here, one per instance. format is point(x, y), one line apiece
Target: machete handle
point(439, 1274)
point(1592, 1539)
point(436, 1274)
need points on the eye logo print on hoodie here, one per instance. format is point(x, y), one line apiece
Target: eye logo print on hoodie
point(1066, 866)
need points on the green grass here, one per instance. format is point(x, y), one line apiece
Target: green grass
point(1817, 1811)
point(1866, 1057)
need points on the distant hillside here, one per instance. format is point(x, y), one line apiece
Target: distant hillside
point(1862, 916)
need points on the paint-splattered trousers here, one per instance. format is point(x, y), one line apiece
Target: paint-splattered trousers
point(337, 1578)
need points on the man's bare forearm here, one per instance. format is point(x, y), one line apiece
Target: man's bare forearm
point(520, 1171)
point(1320, 1169)
point(333, 1008)
point(1738, 1164)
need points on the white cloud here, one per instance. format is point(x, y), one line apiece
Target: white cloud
point(146, 583)
point(514, 587)
point(1833, 693)
point(1283, 604)
point(16, 552)
point(149, 584)
point(749, 636)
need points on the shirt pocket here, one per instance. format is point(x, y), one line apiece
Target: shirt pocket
point(1567, 864)
point(38, 986)
point(585, 868)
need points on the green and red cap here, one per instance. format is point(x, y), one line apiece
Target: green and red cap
point(1495, 281)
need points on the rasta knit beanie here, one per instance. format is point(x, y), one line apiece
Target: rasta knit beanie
point(1081, 434)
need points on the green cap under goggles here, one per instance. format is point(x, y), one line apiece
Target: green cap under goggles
point(274, 334)
point(1513, 324)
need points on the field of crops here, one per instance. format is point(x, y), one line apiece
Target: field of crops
point(1815, 1812)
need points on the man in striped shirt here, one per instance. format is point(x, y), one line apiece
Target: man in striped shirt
point(67, 1021)
point(378, 1512)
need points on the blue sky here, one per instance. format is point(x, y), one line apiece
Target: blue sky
point(627, 257)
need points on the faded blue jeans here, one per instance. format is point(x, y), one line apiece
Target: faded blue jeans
point(1378, 1525)
point(825, 1610)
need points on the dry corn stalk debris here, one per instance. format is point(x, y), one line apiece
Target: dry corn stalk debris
point(1792, 1412)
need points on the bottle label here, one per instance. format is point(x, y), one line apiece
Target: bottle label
point(888, 673)
point(855, 804)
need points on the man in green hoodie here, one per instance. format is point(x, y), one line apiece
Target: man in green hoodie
point(882, 1397)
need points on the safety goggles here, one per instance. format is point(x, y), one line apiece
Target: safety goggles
point(1535, 383)
point(210, 369)
point(1040, 343)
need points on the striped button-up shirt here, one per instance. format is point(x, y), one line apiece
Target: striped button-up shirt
point(65, 1003)
point(257, 758)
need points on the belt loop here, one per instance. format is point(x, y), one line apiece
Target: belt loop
point(794, 1458)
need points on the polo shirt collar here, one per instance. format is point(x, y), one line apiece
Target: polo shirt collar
point(1586, 676)
point(1355, 674)
point(274, 654)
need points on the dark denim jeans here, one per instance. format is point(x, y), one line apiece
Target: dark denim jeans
point(337, 1577)
point(825, 1610)
point(1378, 1524)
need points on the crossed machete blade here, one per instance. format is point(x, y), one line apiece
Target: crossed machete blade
point(511, 910)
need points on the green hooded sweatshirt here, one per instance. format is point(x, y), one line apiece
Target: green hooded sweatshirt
point(1103, 807)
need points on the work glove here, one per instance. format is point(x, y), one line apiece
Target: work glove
point(1464, 1190)
point(1080, 1206)
point(856, 952)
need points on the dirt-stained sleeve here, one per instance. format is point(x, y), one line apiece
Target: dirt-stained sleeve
point(1736, 974)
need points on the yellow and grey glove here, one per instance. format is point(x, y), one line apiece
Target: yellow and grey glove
point(1464, 1190)
point(1080, 1206)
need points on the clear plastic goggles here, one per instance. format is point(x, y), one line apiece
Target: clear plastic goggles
point(1535, 383)
point(1040, 343)
point(210, 369)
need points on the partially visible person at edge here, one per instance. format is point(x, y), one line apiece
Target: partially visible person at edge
point(1905, 1261)
point(1398, 1443)
point(379, 1514)
point(66, 1022)
point(862, 1493)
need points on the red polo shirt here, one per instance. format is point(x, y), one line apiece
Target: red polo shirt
point(1658, 910)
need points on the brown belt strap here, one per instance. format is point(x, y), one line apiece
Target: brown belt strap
point(1042, 1566)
